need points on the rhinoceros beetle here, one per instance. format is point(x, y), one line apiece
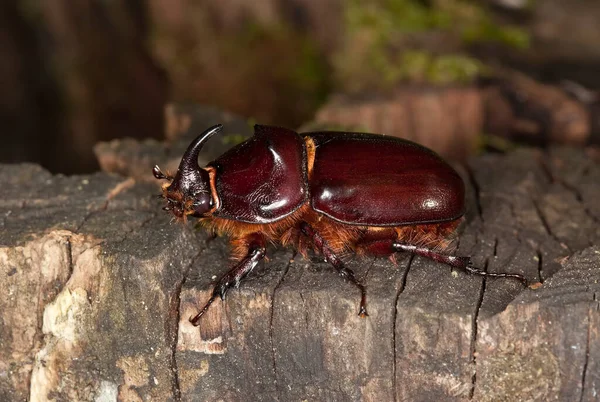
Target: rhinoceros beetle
point(334, 192)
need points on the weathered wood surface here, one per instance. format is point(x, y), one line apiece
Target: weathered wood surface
point(97, 286)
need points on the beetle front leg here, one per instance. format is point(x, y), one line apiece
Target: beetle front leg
point(334, 260)
point(256, 252)
point(464, 263)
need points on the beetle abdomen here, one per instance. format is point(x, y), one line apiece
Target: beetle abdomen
point(263, 179)
point(374, 180)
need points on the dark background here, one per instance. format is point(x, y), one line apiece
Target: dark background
point(74, 73)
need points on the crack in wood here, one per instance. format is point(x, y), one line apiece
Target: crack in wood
point(572, 188)
point(112, 193)
point(125, 234)
point(307, 326)
point(546, 170)
point(394, 319)
point(271, 327)
point(587, 353)
point(474, 331)
point(479, 303)
point(579, 197)
point(495, 248)
point(546, 225)
point(172, 338)
point(540, 265)
point(172, 327)
point(69, 257)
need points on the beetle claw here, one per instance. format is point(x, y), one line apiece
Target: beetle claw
point(362, 313)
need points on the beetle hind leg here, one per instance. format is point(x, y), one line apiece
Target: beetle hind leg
point(463, 263)
point(337, 263)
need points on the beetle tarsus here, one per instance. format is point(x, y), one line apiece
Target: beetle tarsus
point(256, 252)
point(362, 311)
point(334, 260)
point(195, 319)
point(477, 271)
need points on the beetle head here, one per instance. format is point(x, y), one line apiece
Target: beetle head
point(189, 192)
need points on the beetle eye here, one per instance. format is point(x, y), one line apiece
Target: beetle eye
point(202, 204)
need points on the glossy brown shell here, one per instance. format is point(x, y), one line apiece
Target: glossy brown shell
point(263, 179)
point(375, 180)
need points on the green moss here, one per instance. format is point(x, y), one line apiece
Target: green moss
point(495, 143)
point(488, 32)
point(233, 139)
point(391, 17)
point(384, 35)
point(454, 69)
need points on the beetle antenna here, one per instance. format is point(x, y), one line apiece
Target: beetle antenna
point(159, 174)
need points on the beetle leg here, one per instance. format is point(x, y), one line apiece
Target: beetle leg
point(256, 252)
point(334, 260)
point(464, 263)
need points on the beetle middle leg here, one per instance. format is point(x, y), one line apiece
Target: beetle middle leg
point(255, 253)
point(337, 263)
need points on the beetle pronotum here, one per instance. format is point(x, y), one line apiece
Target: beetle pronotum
point(330, 191)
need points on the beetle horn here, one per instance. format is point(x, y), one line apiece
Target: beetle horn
point(189, 161)
point(190, 179)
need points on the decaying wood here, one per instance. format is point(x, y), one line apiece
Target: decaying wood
point(98, 285)
point(520, 108)
point(451, 120)
point(447, 120)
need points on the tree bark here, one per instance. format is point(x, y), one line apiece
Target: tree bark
point(98, 284)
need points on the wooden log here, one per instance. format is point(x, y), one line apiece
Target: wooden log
point(98, 284)
point(509, 106)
